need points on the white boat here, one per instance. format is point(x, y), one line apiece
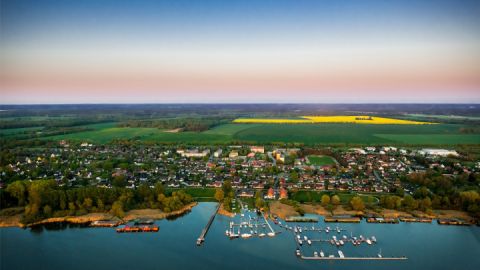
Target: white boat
point(338, 230)
point(341, 242)
point(334, 238)
point(331, 256)
point(261, 235)
point(322, 254)
point(300, 230)
point(340, 253)
point(309, 242)
point(380, 253)
point(300, 242)
point(374, 239)
point(298, 252)
point(369, 242)
point(298, 237)
point(305, 237)
point(344, 237)
point(271, 234)
point(246, 235)
point(315, 254)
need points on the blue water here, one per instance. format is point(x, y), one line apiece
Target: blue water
point(427, 246)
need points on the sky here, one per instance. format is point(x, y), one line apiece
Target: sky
point(278, 51)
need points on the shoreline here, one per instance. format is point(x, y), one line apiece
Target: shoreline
point(157, 214)
point(283, 211)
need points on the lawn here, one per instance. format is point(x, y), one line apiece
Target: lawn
point(321, 160)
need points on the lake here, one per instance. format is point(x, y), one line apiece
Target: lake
point(427, 246)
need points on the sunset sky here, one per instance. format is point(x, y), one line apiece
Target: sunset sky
point(102, 51)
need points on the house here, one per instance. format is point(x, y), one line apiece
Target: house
point(270, 194)
point(257, 149)
point(233, 154)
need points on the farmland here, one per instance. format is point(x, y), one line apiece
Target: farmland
point(332, 119)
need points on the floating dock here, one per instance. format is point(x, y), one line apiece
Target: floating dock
point(105, 223)
point(128, 229)
point(355, 258)
point(382, 220)
point(457, 222)
point(301, 219)
point(343, 219)
point(201, 238)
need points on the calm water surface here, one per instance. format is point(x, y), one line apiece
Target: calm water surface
point(427, 246)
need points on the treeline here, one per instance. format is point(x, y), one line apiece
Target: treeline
point(186, 124)
point(45, 199)
point(225, 195)
point(437, 191)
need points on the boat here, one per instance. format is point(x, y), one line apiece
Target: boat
point(227, 233)
point(374, 239)
point(300, 230)
point(344, 237)
point(262, 235)
point(332, 242)
point(144, 221)
point(322, 254)
point(305, 237)
point(315, 254)
point(309, 242)
point(368, 241)
point(380, 253)
point(271, 234)
point(300, 242)
point(298, 237)
point(331, 256)
point(297, 252)
point(338, 230)
point(341, 242)
point(334, 238)
point(327, 229)
point(246, 235)
point(340, 253)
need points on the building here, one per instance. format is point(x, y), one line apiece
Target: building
point(217, 153)
point(283, 194)
point(193, 153)
point(257, 149)
point(233, 154)
point(270, 194)
point(438, 152)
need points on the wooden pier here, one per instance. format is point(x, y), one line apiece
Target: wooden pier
point(201, 238)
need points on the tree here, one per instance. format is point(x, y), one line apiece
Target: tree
point(409, 203)
point(219, 195)
point(119, 181)
point(325, 199)
point(357, 203)
point(18, 190)
point(117, 209)
point(335, 200)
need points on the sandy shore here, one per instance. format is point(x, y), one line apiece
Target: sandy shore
point(14, 221)
point(223, 212)
point(283, 211)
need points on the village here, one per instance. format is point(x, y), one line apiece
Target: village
point(276, 171)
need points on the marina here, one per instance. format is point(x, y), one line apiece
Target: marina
point(278, 252)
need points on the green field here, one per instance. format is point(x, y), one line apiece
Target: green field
point(321, 160)
point(326, 133)
point(432, 138)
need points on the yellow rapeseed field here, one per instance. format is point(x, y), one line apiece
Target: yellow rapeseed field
point(360, 119)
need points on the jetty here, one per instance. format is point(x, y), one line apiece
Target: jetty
point(201, 238)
